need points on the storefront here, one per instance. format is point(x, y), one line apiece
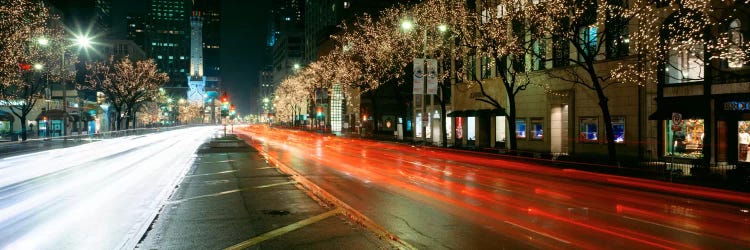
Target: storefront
point(53, 123)
point(6, 124)
point(733, 128)
point(684, 137)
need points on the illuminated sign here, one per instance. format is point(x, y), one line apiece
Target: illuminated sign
point(737, 106)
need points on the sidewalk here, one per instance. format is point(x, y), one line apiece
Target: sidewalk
point(232, 198)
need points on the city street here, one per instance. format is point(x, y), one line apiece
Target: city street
point(101, 195)
point(443, 199)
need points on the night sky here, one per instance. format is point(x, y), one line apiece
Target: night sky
point(243, 30)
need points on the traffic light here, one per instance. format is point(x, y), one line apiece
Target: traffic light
point(232, 111)
point(320, 111)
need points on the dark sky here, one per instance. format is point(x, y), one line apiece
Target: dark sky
point(244, 27)
point(243, 33)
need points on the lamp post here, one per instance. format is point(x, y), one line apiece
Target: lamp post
point(43, 41)
point(80, 41)
point(408, 25)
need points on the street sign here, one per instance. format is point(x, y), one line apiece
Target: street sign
point(676, 118)
point(419, 73)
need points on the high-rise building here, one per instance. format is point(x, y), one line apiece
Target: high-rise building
point(288, 31)
point(136, 29)
point(209, 12)
point(102, 9)
point(323, 16)
point(168, 41)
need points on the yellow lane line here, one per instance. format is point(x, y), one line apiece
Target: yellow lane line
point(284, 230)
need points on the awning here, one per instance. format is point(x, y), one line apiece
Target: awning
point(457, 113)
point(6, 116)
point(689, 106)
point(54, 114)
point(478, 112)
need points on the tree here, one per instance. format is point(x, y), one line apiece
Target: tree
point(126, 84)
point(593, 30)
point(26, 30)
point(689, 41)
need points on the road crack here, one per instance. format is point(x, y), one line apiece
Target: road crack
point(419, 232)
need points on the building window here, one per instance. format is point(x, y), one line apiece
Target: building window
point(588, 39)
point(687, 140)
point(537, 128)
point(560, 52)
point(618, 128)
point(486, 67)
point(743, 140)
point(589, 129)
point(471, 128)
point(685, 64)
point(736, 55)
point(499, 128)
point(540, 54)
point(158, 57)
point(616, 28)
point(521, 128)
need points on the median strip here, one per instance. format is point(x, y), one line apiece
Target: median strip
point(284, 230)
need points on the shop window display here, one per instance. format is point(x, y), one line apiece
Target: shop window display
point(589, 129)
point(537, 129)
point(686, 142)
point(743, 140)
point(520, 128)
point(618, 126)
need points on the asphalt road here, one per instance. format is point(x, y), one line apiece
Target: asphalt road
point(442, 199)
point(100, 195)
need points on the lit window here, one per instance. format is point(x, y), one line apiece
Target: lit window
point(520, 128)
point(346, 5)
point(736, 56)
point(687, 141)
point(618, 128)
point(537, 125)
point(182, 57)
point(685, 64)
point(589, 129)
point(588, 37)
point(158, 57)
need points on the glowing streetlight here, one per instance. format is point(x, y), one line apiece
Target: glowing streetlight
point(43, 41)
point(443, 28)
point(265, 100)
point(407, 25)
point(83, 41)
point(38, 66)
point(296, 66)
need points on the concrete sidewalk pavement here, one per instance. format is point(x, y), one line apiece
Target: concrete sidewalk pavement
point(232, 198)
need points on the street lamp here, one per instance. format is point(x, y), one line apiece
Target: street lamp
point(408, 25)
point(82, 42)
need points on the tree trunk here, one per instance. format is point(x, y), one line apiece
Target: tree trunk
point(611, 151)
point(512, 141)
point(23, 128)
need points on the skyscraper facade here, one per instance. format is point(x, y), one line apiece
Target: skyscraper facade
point(168, 41)
point(136, 29)
point(288, 31)
point(209, 12)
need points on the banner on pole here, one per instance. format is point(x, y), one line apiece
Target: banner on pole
point(432, 76)
point(418, 76)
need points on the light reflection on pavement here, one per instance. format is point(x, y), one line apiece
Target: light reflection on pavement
point(100, 195)
point(524, 202)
